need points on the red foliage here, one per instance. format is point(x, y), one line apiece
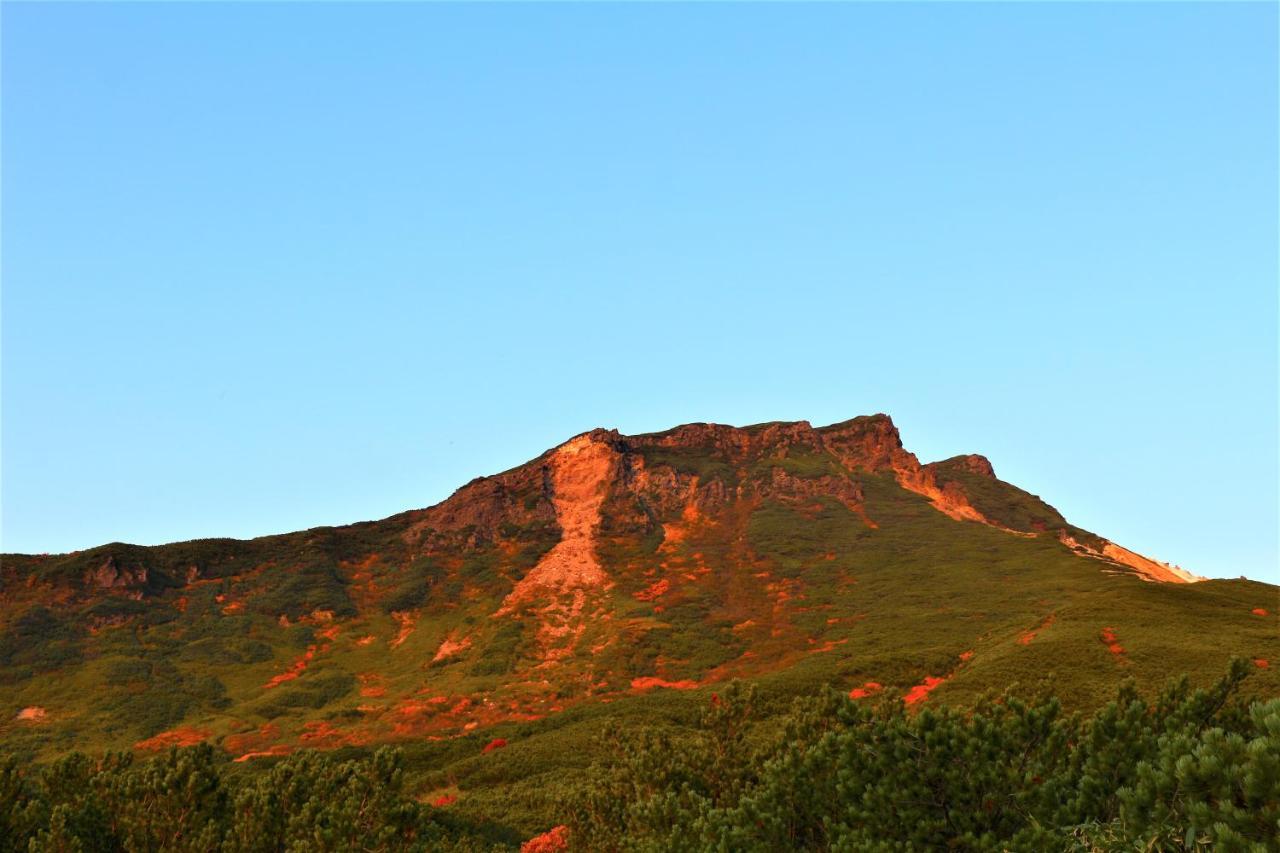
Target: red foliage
point(1259, 611)
point(1112, 642)
point(278, 749)
point(656, 589)
point(1027, 636)
point(1261, 663)
point(323, 735)
point(173, 737)
point(251, 741)
point(551, 841)
point(922, 690)
point(296, 669)
point(866, 690)
point(446, 800)
point(496, 743)
point(649, 681)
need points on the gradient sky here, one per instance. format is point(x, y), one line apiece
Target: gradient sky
point(267, 267)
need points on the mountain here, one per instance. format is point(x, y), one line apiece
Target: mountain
point(611, 580)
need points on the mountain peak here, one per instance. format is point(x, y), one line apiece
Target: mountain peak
point(607, 566)
point(971, 462)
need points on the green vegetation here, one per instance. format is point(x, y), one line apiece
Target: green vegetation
point(148, 696)
point(38, 640)
point(706, 463)
point(189, 800)
point(795, 538)
point(311, 691)
point(1193, 770)
point(414, 587)
point(690, 641)
point(313, 583)
point(502, 651)
point(801, 460)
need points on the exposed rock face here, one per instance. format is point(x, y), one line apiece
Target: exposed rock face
point(518, 496)
point(972, 462)
point(873, 444)
point(581, 471)
point(784, 486)
point(603, 484)
point(1147, 567)
point(568, 486)
point(110, 575)
point(1144, 567)
point(869, 443)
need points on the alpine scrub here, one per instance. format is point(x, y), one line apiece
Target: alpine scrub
point(1193, 770)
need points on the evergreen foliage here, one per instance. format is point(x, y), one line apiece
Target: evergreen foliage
point(1195, 770)
point(188, 800)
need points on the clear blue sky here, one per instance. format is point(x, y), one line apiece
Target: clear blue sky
point(267, 267)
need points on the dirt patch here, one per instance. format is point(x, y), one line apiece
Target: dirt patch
point(32, 714)
point(173, 737)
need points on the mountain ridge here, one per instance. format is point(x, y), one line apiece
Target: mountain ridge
point(606, 568)
point(869, 442)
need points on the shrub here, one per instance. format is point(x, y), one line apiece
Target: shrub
point(1191, 770)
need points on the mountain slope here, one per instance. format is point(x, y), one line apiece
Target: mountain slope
point(593, 585)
